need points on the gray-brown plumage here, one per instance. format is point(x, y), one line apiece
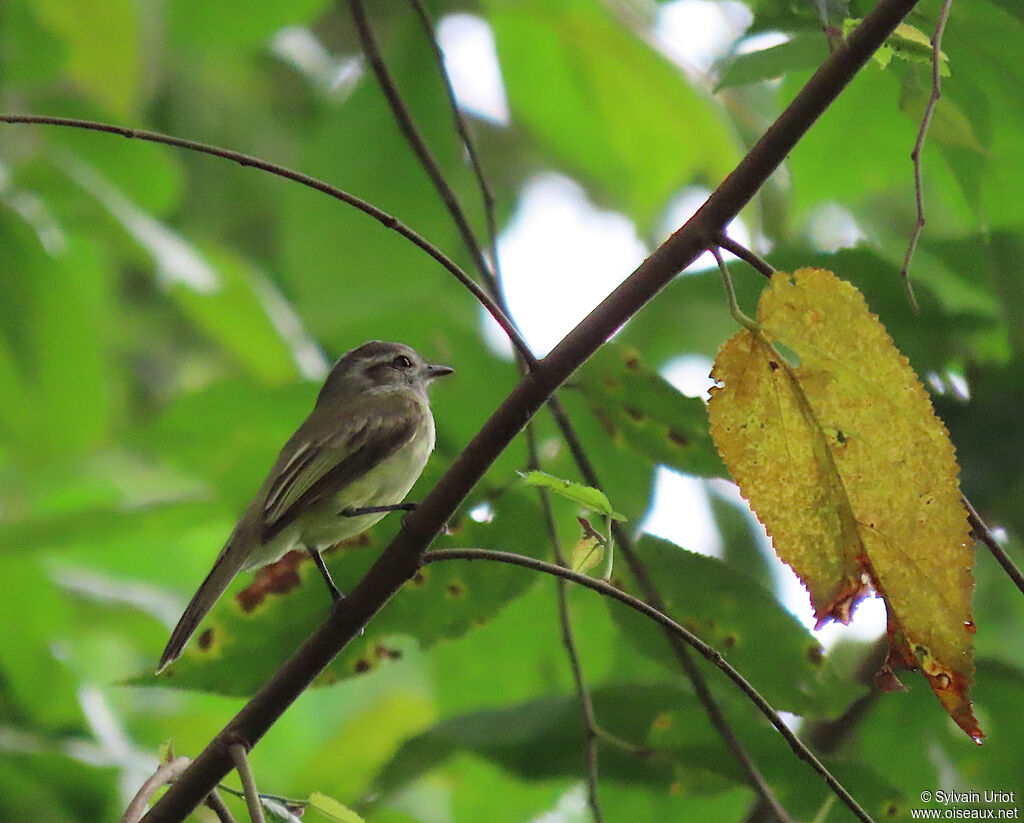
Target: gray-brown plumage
point(364, 444)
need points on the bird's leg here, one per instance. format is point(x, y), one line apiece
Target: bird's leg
point(353, 511)
point(392, 507)
point(336, 594)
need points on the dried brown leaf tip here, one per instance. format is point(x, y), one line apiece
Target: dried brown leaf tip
point(833, 440)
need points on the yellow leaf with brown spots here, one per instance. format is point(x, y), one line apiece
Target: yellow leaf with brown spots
point(841, 456)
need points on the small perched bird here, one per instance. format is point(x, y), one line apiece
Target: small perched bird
point(353, 459)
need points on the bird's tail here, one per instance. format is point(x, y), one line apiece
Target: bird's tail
point(219, 578)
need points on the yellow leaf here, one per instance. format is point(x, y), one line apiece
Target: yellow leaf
point(331, 808)
point(587, 554)
point(854, 477)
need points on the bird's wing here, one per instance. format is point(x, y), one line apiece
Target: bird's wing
point(367, 431)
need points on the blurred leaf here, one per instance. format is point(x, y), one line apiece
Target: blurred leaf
point(588, 552)
point(732, 613)
point(642, 411)
point(348, 760)
point(216, 24)
point(990, 441)
point(949, 125)
point(106, 67)
point(602, 104)
point(29, 53)
point(32, 677)
point(685, 760)
point(268, 620)
point(52, 787)
point(332, 809)
point(829, 167)
point(227, 436)
point(625, 478)
point(68, 359)
point(739, 532)
point(247, 316)
point(907, 42)
point(802, 51)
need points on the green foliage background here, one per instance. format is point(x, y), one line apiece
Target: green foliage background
point(161, 315)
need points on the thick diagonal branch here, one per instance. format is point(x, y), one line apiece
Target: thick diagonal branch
point(401, 559)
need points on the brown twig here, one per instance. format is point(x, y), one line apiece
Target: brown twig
point(982, 532)
point(745, 254)
point(486, 193)
point(569, 642)
point(915, 155)
point(659, 617)
point(166, 773)
point(240, 756)
point(214, 802)
point(371, 48)
point(653, 598)
point(492, 280)
point(399, 561)
point(381, 216)
point(593, 730)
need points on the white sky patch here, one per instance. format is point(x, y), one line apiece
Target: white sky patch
point(691, 375)
point(560, 256)
point(571, 806)
point(761, 41)
point(832, 227)
point(176, 260)
point(471, 59)
point(481, 513)
point(869, 617)
point(681, 513)
point(935, 381)
point(698, 32)
point(683, 207)
point(958, 382)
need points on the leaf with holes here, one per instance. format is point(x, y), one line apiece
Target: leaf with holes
point(247, 636)
point(844, 461)
point(644, 413)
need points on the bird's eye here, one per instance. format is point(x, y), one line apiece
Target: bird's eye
point(402, 362)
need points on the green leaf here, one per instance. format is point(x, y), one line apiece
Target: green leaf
point(591, 498)
point(248, 317)
point(106, 67)
point(732, 613)
point(604, 106)
point(332, 809)
point(587, 553)
point(643, 412)
point(230, 653)
point(907, 42)
point(679, 757)
point(805, 50)
point(206, 25)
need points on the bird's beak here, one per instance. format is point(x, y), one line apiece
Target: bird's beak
point(434, 371)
